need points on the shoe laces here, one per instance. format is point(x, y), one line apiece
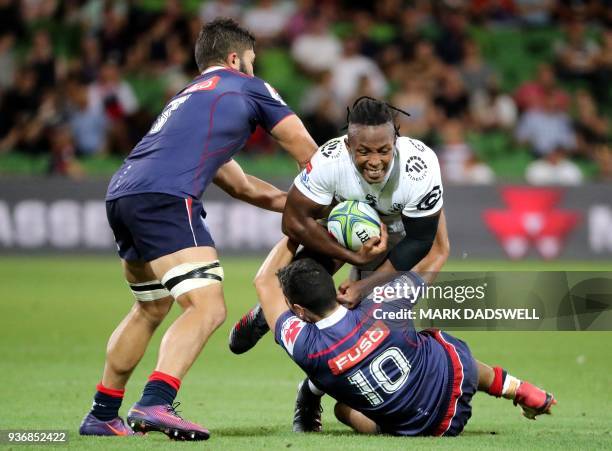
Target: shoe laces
point(172, 409)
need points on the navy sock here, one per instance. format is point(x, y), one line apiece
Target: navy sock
point(105, 407)
point(157, 392)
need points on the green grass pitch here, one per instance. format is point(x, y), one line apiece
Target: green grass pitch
point(57, 314)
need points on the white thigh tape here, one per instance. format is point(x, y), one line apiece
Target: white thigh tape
point(189, 276)
point(149, 291)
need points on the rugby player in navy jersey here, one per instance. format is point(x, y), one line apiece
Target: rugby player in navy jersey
point(385, 376)
point(157, 217)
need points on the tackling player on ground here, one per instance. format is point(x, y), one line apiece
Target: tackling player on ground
point(385, 376)
point(398, 176)
point(155, 212)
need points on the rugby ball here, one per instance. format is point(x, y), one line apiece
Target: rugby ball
point(352, 223)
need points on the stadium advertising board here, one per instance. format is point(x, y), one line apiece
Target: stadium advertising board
point(54, 215)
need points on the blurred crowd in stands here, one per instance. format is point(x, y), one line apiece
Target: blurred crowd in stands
point(67, 71)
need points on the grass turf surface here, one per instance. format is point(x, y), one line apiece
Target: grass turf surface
point(57, 314)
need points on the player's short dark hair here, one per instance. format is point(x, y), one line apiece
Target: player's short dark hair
point(369, 111)
point(219, 38)
point(307, 283)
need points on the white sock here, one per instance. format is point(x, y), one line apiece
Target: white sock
point(511, 384)
point(314, 390)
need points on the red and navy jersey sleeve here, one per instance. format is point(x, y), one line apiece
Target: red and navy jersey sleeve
point(289, 333)
point(267, 106)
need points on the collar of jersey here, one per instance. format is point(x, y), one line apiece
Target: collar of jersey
point(212, 69)
point(216, 68)
point(332, 319)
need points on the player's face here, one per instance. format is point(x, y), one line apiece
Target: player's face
point(246, 62)
point(371, 147)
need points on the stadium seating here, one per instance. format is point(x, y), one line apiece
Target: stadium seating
point(514, 53)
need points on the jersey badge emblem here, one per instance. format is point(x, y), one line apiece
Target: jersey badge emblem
point(416, 168)
point(290, 331)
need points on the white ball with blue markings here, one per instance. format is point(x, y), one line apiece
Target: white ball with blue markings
point(352, 223)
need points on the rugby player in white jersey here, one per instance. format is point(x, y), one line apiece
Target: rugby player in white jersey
point(400, 178)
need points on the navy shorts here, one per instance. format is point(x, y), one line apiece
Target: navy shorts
point(464, 383)
point(149, 226)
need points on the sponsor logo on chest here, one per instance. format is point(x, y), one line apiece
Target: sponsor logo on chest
point(366, 344)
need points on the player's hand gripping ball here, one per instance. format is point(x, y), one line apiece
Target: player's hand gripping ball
point(352, 223)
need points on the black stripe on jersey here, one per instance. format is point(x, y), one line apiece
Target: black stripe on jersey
point(198, 273)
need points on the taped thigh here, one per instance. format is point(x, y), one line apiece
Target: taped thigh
point(189, 276)
point(149, 291)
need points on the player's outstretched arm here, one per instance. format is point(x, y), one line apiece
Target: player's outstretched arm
point(295, 139)
point(267, 284)
point(299, 224)
point(231, 178)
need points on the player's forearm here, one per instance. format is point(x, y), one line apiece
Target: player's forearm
point(231, 179)
point(264, 195)
point(312, 235)
point(267, 284)
point(279, 257)
point(429, 267)
point(301, 148)
point(295, 139)
point(379, 276)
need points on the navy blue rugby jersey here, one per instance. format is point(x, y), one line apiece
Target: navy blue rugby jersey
point(199, 130)
point(383, 368)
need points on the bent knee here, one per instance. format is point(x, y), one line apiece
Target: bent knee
point(218, 317)
point(213, 312)
point(209, 305)
point(154, 311)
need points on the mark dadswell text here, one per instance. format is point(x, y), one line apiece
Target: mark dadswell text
point(458, 313)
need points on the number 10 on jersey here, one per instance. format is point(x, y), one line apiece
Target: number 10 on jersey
point(388, 373)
